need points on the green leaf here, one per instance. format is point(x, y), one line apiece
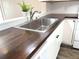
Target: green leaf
point(25, 6)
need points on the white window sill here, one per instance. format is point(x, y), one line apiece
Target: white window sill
point(11, 23)
point(11, 20)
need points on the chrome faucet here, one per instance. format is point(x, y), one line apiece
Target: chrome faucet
point(32, 14)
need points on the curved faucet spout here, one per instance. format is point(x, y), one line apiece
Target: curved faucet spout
point(32, 14)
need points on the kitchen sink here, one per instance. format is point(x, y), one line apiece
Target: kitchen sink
point(39, 25)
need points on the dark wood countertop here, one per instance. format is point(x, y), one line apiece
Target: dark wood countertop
point(21, 44)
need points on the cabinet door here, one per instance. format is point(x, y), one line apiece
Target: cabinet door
point(47, 50)
point(54, 42)
point(41, 53)
point(50, 48)
point(68, 30)
point(59, 33)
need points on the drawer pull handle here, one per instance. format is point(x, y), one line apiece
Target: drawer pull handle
point(73, 20)
point(57, 36)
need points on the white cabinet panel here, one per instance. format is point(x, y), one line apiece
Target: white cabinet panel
point(52, 45)
point(76, 31)
point(68, 30)
point(76, 35)
point(41, 53)
point(54, 42)
point(50, 49)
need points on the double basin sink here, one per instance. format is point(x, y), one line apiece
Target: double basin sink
point(39, 25)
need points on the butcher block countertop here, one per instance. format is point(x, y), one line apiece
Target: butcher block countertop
point(22, 44)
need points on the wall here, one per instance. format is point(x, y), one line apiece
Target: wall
point(37, 5)
point(62, 7)
point(13, 10)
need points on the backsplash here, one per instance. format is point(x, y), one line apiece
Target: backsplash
point(71, 7)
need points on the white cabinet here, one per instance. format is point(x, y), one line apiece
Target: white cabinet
point(68, 30)
point(54, 42)
point(50, 48)
point(41, 53)
point(76, 34)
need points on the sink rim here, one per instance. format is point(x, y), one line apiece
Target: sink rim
point(34, 30)
point(37, 30)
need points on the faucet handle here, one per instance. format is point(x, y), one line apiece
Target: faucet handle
point(39, 12)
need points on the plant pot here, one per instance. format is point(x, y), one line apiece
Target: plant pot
point(26, 14)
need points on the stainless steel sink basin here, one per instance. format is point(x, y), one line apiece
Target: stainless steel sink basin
point(40, 25)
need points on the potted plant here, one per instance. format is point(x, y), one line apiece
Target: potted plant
point(25, 7)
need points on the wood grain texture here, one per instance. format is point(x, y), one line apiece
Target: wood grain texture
point(21, 44)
